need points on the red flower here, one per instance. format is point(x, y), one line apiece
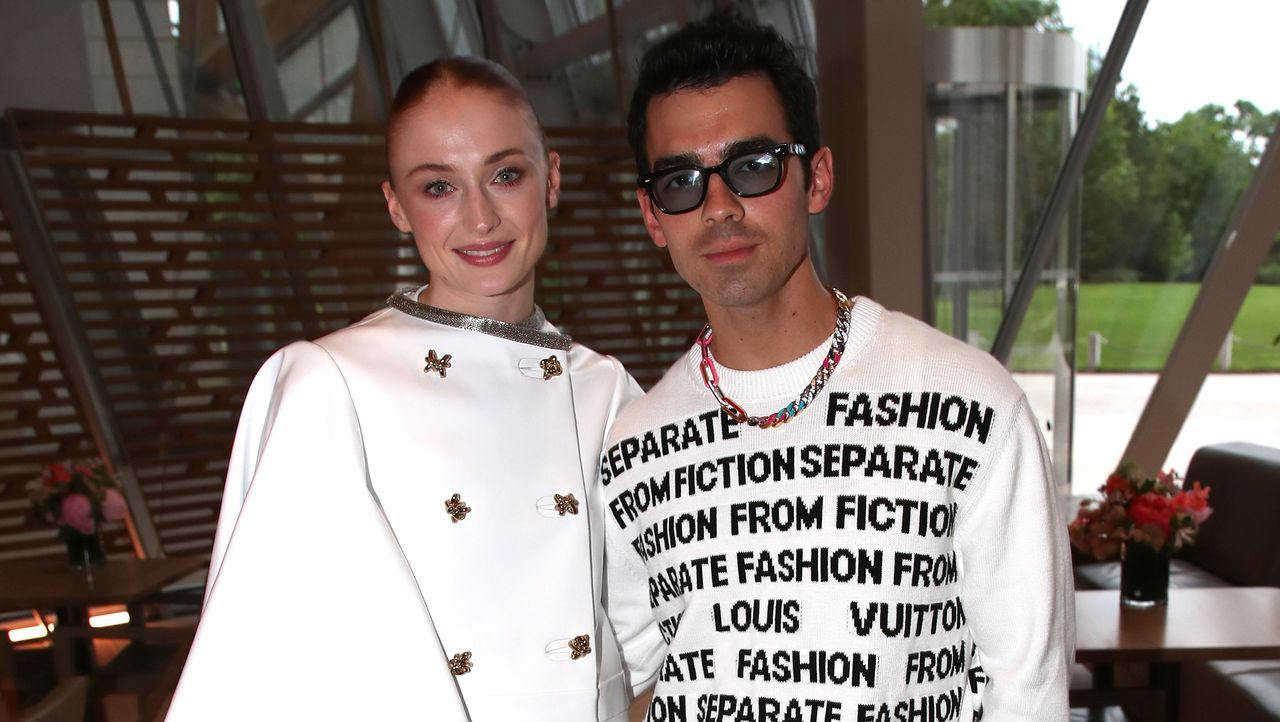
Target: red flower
point(1117, 485)
point(1193, 502)
point(1151, 508)
point(59, 473)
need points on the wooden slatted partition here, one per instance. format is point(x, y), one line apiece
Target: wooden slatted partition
point(602, 279)
point(193, 249)
point(39, 422)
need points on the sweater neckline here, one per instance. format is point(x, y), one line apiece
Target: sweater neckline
point(790, 378)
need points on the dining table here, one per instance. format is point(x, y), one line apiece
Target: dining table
point(50, 583)
point(1195, 625)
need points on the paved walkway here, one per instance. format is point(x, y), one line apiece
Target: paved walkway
point(1230, 407)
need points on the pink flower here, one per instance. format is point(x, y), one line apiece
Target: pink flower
point(113, 506)
point(77, 513)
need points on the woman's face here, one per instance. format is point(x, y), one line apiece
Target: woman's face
point(473, 183)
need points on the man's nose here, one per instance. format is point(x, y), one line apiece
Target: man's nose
point(721, 204)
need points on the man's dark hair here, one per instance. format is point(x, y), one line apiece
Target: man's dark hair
point(711, 52)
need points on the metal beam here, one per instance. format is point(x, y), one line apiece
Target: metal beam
point(491, 31)
point(113, 50)
point(1068, 180)
point(71, 344)
point(153, 47)
point(374, 52)
point(1231, 273)
point(615, 55)
point(255, 60)
point(595, 36)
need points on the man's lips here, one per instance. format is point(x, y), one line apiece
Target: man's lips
point(484, 254)
point(729, 253)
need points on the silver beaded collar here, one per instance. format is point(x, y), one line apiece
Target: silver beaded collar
point(527, 331)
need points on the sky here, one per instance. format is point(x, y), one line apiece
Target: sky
point(1191, 52)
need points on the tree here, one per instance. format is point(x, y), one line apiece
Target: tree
point(1256, 126)
point(1040, 14)
point(1112, 220)
point(1206, 168)
point(1158, 199)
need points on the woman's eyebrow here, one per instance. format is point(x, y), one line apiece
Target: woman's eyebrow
point(446, 168)
point(502, 154)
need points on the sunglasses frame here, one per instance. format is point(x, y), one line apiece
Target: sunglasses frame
point(781, 151)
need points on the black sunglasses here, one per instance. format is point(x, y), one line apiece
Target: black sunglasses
point(750, 174)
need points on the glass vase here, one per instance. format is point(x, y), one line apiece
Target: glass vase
point(1144, 576)
point(83, 550)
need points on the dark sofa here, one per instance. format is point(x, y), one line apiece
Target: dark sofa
point(1239, 545)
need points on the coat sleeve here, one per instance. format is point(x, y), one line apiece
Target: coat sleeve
point(244, 457)
point(627, 602)
point(1016, 582)
point(311, 611)
point(627, 585)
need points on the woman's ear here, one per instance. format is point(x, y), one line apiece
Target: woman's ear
point(393, 208)
point(553, 179)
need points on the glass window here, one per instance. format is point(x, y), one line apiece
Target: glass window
point(175, 58)
point(1179, 145)
point(1001, 126)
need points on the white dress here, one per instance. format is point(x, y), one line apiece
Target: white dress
point(347, 580)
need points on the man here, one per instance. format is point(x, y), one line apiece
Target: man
point(825, 510)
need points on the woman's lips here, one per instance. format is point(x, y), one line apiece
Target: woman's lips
point(485, 254)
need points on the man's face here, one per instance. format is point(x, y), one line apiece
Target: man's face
point(735, 252)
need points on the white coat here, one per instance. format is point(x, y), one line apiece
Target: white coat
point(348, 582)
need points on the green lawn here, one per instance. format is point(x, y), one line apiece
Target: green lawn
point(1138, 320)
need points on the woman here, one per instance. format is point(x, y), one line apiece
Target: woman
point(404, 532)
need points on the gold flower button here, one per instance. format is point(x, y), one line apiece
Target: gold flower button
point(566, 504)
point(460, 664)
point(550, 367)
point(437, 363)
point(580, 646)
point(457, 508)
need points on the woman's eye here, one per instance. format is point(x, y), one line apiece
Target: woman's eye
point(439, 188)
point(508, 176)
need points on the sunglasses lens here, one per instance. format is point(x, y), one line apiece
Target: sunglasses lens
point(679, 190)
point(755, 173)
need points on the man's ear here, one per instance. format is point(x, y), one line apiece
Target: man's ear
point(553, 179)
point(393, 208)
point(649, 211)
point(823, 181)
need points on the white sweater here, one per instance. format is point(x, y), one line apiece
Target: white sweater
point(891, 554)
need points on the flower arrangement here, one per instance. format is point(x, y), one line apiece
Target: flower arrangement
point(1152, 511)
point(78, 496)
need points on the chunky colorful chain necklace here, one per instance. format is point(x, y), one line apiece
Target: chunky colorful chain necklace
point(711, 377)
